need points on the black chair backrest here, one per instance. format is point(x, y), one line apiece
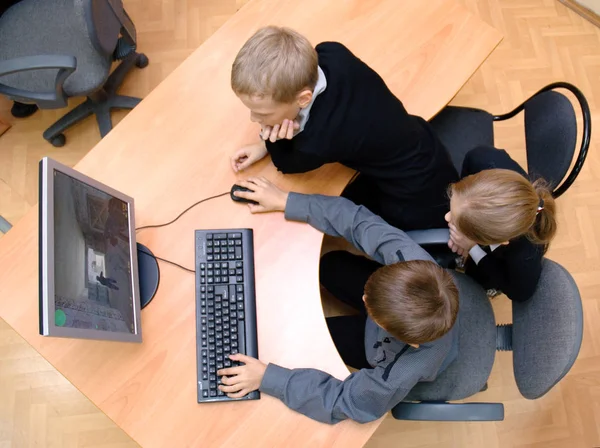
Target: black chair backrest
point(551, 135)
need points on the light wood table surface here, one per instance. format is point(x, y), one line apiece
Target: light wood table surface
point(172, 151)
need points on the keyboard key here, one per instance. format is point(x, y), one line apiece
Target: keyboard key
point(217, 244)
point(239, 297)
point(210, 257)
point(211, 289)
point(239, 279)
point(221, 236)
point(238, 242)
point(241, 315)
point(224, 265)
point(239, 288)
point(205, 393)
point(239, 264)
point(209, 236)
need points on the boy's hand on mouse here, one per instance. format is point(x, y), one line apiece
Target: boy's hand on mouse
point(269, 197)
point(280, 131)
point(247, 156)
point(240, 381)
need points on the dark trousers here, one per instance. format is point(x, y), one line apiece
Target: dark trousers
point(414, 216)
point(344, 275)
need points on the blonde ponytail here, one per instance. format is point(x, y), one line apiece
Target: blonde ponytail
point(498, 205)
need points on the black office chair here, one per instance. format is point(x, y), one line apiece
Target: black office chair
point(550, 140)
point(545, 338)
point(51, 50)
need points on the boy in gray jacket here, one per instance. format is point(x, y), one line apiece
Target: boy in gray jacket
point(406, 332)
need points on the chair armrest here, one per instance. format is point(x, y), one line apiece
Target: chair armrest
point(46, 100)
point(429, 237)
point(449, 412)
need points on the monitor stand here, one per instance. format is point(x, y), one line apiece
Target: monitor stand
point(148, 273)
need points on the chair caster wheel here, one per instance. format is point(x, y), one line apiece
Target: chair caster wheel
point(142, 61)
point(59, 140)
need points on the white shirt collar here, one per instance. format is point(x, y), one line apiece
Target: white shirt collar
point(319, 88)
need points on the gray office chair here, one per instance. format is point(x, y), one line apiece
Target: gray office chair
point(51, 50)
point(550, 141)
point(545, 338)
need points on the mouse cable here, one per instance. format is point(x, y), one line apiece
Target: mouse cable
point(154, 226)
point(167, 261)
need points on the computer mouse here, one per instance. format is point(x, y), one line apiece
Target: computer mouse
point(237, 198)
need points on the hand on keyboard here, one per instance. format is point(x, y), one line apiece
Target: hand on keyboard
point(239, 381)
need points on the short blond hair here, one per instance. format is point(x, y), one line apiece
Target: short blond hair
point(275, 61)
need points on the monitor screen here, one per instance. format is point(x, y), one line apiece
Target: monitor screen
point(92, 268)
point(88, 253)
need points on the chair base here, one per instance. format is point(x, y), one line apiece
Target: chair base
point(100, 103)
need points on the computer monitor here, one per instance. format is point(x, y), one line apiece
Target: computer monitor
point(88, 258)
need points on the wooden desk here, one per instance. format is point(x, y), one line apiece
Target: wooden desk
point(173, 150)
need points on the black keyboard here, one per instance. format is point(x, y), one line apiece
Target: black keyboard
point(225, 306)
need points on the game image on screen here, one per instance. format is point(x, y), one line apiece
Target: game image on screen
point(92, 267)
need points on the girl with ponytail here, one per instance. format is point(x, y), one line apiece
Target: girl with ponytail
point(502, 222)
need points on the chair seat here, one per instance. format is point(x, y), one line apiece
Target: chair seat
point(469, 372)
point(51, 27)
point(461, 129)
point(547, 331)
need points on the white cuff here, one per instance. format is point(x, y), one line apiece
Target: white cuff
point(477, 253)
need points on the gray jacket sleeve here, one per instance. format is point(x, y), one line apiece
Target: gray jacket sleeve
point(364, 396)
point(366, 231)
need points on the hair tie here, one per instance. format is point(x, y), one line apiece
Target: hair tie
point(540, 206)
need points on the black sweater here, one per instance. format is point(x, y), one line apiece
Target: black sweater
point(358, 122)
point(514, 268)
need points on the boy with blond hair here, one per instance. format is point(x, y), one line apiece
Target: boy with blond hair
point(325, 105)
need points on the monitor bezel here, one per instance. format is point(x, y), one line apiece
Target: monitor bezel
point(46, 250)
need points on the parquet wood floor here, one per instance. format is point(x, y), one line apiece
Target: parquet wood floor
point(544, 42)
